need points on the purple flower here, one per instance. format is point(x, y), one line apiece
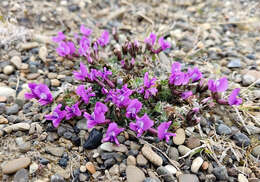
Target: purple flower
point(73, 111)
point(179, 78)
point(164, 44)
point(98, 116)
point(162, 131)
point(60, 37)
point(82, 74)
point(85, 94)
point(40, 92)
point(149, 86)
point(220, 85)
point(194, 74)
point(57, 116)
point(104, 75)
point(133, 108)
point(186, 95)
point(63, 49)
point(84, 45)
point(176, 67)
point(141, 125)
point(71, 47)
point(120, 97)
point(112, 133)
point(85, 31)
point(151, 39)
point(232, 99)
point(103, 39)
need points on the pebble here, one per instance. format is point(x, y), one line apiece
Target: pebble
point(151, 180)
point(25, 147)
point(56, 151)
point(57, 178)
point(171, 169)
point(8, 69)
point(33, 168)
point(28, 45)
point(151, 155)
point(131, 160)
point(256, 151)
point(188, 178)
point(141, 160)
point(245, 170)
point(180, 137)
point(173, 153)
point(205, 165)
point(44, 161)
point(7, 92)
point(220, 173)
point(241, 139)
point(17, 127)
point(35, 128)
point(93, 140)
point(109, 162)
point(223, 129)
point(55, 82)
point(90, 167)
point(114, 170)
point(43, 53)
point(21, 176)
point(81, 124)
point(96, 174)
point(83, 177)
point(16, 61)
point(193, 142)
point(241, 178)
point(134, 174)
point(83, 169)
point(196, 164)
point(183, 149)
point(253, 129)
point(110, 147)
point(249, 77)
point(166, 175)
point(15, 165)
point(12, 109)
point(63, 162)
point(3, 120)
point(234, 63)
point(32, 76)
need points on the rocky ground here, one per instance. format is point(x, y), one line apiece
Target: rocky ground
point(221, 37)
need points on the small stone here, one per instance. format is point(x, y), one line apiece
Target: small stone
point(3, 120)
point(83, 169)
point(242, 178)
point(245, 170)
point(43, 53)
point(134, 174)
point(2, 99)
point(171, 169)
point(12, 109)
point(151, 155)
point(8, 69)
point(223, 129)
point(21, 176)
point(234, 63)
point(63, 162)
point(205, 165)
point(173, 153)
point(220, 173)
point(110, 147)
point(166, 175)
point(114, 170)
point(56, 151)
point(55, 82)
point(25, 147)
point(180, 137)
point(109, 162)
point(83, 177)
point(256, 151)
point(44, 161)
point(253, 129)
point(32, 76)
point(81, 124)
point(141, 160)
point(33, 168)
point(7, 92)
point(15, 165)
point(210, 178)
point(57, 178)
point(16, 61)
point(131, 160)
point(188, 178)
point(196, 164)
point(96, 174)
point(93, 140)
point(183, 149)
point(241, 139)
point(17, 127)
point(28, 45)
point(90, 167)
point(193, 142)
point(151, 180)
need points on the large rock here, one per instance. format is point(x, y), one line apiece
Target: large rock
point(15, 165)
point(134, 174)
point(21, 176)
point(151, 155)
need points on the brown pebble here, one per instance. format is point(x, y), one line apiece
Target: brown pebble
point(193, 142)
point(16, 164)
point(3, 99)
point(205, 165)
point(90, 167)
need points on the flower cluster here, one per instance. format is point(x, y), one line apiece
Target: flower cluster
point(122, 100)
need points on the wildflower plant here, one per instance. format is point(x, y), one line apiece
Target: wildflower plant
point(105, 99)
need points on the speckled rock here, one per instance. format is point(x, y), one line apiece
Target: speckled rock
point(151, 155)
point(15, 165)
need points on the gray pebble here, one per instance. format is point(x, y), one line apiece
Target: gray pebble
point(220, 173)
point(223, 129)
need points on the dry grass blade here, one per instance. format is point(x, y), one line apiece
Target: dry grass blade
point(192, 151)
point(241, 120)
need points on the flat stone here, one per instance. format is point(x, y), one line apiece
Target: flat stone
point(21, 176)
point(134, 174)
point(28, 45)
point(56, 151)
point(253, 129)
point(223, 129)
point(151, 155)
point(9, 69)
point(17, 127)
point(25, 147)
point(110, 147)
point(241, 139)
point(43, 53)
point(180, 137)
point(188, 178)
point(171, 169)
point(245, 170)
point(256, 151)
point(57, 178)
point(234, 63)
point(242, 178)
point(114, 170)
point(7, 92)
point(173, 153)
point(12, 109)
point(3, 120)
point(166, 175)
point(33, 168)
point(15, 165)
point(193, 142)
point(220, 173)
point(196, 164)
point(183, 149)
point(141, 160)
point(16, 61)
point(90, 167)
point(131, 160)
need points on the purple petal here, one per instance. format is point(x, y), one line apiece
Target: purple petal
point(85, 31)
